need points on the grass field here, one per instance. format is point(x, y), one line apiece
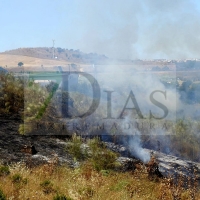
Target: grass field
point(11, 61)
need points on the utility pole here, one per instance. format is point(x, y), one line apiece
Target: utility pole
point(53, 48)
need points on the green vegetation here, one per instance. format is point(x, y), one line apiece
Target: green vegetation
point(4, 170)
point(96, 177)
point(74, 148)
point(2, 195)
point(47, 186)
point(35, 103)
point(101, 157)
point(18, 179)
point(52, 87)
point(186, 140)
point(61, 197)
point(87, 183)
point(52, 76)
point(94, 151)
point(11, 94)
point(31, 100)
point(20, 64)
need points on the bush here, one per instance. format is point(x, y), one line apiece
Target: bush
point(2, 195)
point(47, 186)
point(36, 101)
point(4, 170)
point(17, 178)
point(61, 197)
point(11, 94)
point(101, 157)
point(60, 50)
point(185, 140)
point(20, 64)
point(74, 148)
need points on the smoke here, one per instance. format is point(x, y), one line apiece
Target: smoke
point(133, 29)
point(174, 33)
point(135, 144)
point(146, 29)
point(130, 99)
point(122, 82)
point(142, 86)
point(108, 28)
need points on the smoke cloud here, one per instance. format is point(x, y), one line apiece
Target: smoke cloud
point(128, 113)
point(146, 29)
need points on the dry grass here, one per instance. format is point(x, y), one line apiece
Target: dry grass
point(11, 61)
point(85, 183)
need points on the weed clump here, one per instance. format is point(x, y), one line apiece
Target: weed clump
point(47, 186)
point(75, 149)
point(4, 170)
point(101, 157)
point(61, 197)
point(97, 154)
point(18, 179)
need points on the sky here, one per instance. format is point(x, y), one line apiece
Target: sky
point(128, 29)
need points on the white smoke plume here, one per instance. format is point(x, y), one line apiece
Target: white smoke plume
point(121, 82)
point(146, 29)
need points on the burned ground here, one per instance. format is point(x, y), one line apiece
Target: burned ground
point(12, 146)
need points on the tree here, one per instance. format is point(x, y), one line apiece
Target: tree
point(20, 64)
point(60, 50)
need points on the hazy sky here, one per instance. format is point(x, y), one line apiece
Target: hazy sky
point(122, 29)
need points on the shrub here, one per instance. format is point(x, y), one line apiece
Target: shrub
point(101, 157)
point(36, 101)
point(185, 140)
point(11, 94)
point(105, 172)
point(2, 195)
point(20, 64)
point(61, 197)
point(45, 183)
point(17, 178)
point(47, 186)
point(4, 170)
point(74, 148)
point(60, 50)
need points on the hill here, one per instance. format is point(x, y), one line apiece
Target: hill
point(47, 58)
point(59, 54)
point(11, 61)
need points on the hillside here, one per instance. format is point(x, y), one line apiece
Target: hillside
point(40, 165)
point(41, 59)
point(11, 61)
point(59, 54)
